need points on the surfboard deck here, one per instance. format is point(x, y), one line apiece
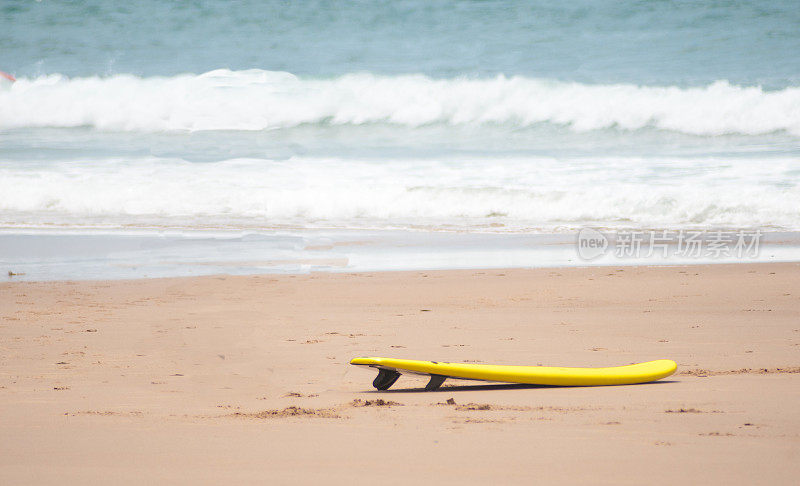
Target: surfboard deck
point(390, 369)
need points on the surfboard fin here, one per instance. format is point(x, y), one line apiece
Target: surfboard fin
point(385, 379)
point(435, 383)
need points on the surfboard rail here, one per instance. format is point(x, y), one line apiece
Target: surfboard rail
point(390, 370)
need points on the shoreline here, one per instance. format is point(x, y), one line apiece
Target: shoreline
point(53, 256)
point(16, 280)
point(245, 377)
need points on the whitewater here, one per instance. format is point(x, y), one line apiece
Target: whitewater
point(520, 194)
point(259, 150)
point(266, 100)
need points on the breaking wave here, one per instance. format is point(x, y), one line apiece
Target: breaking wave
point(505, 194)
point(264, 100)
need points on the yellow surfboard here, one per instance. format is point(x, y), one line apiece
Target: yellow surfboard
point(390, 369)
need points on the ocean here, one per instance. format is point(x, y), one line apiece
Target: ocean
point(466, 117)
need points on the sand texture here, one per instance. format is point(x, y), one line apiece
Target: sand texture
point(245, 379)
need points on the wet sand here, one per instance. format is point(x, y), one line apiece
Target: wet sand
point(245, 379)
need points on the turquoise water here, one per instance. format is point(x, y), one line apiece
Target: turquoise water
point(681, 43)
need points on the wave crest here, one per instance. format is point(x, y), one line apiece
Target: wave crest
point(263, 100)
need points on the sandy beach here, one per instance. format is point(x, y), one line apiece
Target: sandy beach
point(246, 379)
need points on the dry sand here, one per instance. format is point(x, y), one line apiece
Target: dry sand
point(245, 379)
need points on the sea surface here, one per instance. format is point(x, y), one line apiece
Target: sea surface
point(469, 117)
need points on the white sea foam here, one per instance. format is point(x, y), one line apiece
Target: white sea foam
point(543, 193)
point(261, 100)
